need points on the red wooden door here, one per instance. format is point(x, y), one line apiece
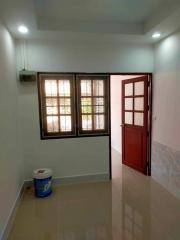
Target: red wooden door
point(135, 123)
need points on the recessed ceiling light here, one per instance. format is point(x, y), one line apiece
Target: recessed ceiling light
point(156, 35)
point(23, 29)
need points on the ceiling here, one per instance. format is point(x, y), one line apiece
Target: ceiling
point(126, 11)
point(135, 19)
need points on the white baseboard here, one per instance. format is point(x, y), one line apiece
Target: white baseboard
point(58, 180)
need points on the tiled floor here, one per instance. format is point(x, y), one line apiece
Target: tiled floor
point(132, 206)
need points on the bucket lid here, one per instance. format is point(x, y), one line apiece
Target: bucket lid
point(42, 173)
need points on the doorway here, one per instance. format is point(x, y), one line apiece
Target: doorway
point(131, 107)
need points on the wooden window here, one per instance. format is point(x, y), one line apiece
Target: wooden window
point(57, 100)
point(93, 104)
point(63, 116)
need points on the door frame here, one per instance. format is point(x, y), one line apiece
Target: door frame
point(149, 117)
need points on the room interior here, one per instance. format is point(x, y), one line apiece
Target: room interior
point(94, 196)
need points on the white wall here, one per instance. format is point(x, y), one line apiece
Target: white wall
point(11, 178)
point(46, 55)
point(116, 110)
point(166, 114)
point(167, 92)
point(67, 157)
point(86, 155)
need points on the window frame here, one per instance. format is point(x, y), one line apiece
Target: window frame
point(75, 102)
point(41, 96)
point(106, 97)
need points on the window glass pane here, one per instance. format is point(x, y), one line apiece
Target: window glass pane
point(86, 88)
point(128, 89)
point(99, 122)
point(65, 110)
point(50, 88)
point(139, 88)
point(52, 124)
point(65, 101)
point(98, 101)
point(86, 109)
point(139, 119)
point(57, 105)
point(128, 103)
point(128, 118)
point(98, 88)
point(64, 88)
point(65, 123)
point(98, 109)
point(86, 101)
point(51, 102)
point(139, 104)
point(86, 122)
point(51, 110)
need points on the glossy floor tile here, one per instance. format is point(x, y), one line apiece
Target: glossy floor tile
point(132, 206)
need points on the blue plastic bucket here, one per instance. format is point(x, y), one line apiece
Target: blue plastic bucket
point(42, 182)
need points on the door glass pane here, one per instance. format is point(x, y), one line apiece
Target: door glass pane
point(139, 88)
point(98, 88)
point(139, 104)
point(52, 124)
point(139, 119)
point(128, 89)
point(64, 88)
point(128, 118)
point(128, 103)
point(86, 122)
point(85, 87)
point(50, 88)
point(65, 123)
point(98, 122)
